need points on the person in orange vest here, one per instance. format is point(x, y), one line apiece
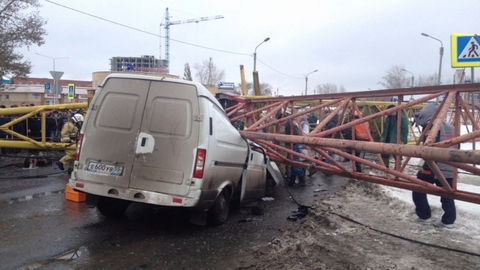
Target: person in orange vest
point(362, 133)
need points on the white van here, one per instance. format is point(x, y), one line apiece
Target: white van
point(166, 142)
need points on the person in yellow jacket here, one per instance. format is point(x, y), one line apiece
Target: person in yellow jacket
point(69, 135)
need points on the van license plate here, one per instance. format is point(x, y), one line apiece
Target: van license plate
point(105, 169)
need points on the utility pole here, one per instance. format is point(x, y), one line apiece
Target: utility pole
point(306, 80)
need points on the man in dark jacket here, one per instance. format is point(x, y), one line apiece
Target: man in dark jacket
point(389, 134)
point(312, 121)
point(54, 126)
point(291, 128)
point(35, 127)
point(422, 208)
point(331, 124)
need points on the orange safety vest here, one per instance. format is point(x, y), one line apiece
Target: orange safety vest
point(361, 131)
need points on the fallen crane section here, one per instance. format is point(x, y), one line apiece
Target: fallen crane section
point(264, 118)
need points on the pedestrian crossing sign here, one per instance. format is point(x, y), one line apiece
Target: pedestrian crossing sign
point(71, 91)
point(465, 50)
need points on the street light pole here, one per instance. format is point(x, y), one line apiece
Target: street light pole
point(255, 54)
point(53, 58)
point(306, 80)
point(441, 56)
point(54, 80)
point(412, 76)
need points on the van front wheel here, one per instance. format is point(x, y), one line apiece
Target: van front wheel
point(218, 214)
point(110, 207)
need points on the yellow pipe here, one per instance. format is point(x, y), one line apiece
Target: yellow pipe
point(25, 142)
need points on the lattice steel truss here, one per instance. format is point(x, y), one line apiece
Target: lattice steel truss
point(264, 117)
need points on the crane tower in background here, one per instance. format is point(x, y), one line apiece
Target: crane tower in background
point(167, 32)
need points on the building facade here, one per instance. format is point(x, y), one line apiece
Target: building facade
point(144, 63)
point(37, 91)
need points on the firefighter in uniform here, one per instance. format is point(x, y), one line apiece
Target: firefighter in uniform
point(69, 135)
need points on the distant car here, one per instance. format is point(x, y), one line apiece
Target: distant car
point(166, 142)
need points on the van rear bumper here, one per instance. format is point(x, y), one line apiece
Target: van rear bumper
point(196, 199)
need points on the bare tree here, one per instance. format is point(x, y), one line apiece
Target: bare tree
point(427, 80)
point(208, 74)
point(396, 77)
point(265, 89)
point(19, 28)
point(328, 88)
point(187, 73)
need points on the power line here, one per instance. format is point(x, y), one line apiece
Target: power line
point(160, 36)
point(277, 70)
point(143, 31)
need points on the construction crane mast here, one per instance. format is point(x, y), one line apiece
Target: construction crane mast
point(167, 31)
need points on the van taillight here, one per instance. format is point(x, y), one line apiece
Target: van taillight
point(200, 163)
point(79, 147)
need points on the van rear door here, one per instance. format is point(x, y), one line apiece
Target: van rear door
point(168, 139)
point(111, 129)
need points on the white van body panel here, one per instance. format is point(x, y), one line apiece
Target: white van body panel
point(140, 140)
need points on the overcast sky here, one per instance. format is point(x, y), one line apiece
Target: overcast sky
point(350, 43)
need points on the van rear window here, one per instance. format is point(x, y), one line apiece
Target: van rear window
point(117, 111)
point(171, 117)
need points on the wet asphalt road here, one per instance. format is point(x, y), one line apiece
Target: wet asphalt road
point(38, 226)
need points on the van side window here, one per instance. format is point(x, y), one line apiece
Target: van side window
point(222, 125)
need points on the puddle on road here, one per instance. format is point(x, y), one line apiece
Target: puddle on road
point(65, 257)
point(30, 197)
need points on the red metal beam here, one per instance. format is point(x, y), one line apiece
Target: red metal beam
point(342, 103)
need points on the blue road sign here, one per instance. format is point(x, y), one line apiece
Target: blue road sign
point(465, 50)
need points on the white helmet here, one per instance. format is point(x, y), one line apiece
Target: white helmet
point(77, 118)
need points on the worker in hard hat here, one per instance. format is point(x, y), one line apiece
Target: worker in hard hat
point(69, 134)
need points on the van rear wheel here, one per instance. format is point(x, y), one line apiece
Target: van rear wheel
point(110, 207)
point(218, 214)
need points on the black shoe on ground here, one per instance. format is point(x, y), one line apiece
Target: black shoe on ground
point(299, 185)
point(291, 180)
point(60, 165)
point(310, 174)
point(301, 182)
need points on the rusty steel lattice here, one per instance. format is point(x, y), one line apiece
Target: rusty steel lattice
point(264, 117)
